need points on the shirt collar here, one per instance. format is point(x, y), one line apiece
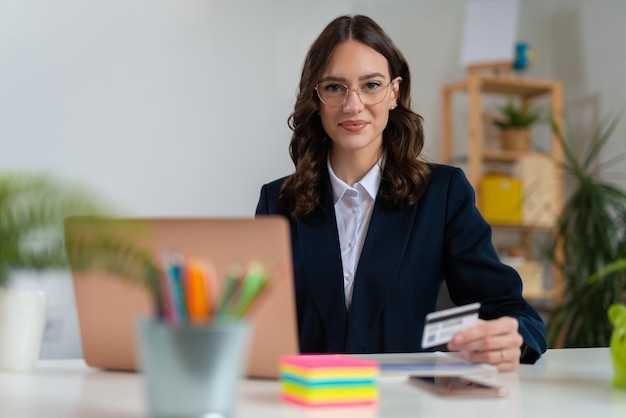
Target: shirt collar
point(370, 182)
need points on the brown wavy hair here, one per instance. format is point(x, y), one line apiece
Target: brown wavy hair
point(405, 177)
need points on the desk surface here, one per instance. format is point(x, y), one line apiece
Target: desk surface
point(567, 382)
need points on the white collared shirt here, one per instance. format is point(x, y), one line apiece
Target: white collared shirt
point(353, 209)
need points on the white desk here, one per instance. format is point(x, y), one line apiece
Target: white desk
point(564, 383)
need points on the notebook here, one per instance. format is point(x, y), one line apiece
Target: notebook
point(108, 308)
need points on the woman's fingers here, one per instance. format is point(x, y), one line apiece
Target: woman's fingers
point(495, 342)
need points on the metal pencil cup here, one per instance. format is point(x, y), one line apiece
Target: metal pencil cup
point(192, 371)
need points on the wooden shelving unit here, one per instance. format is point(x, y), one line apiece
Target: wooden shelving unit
point(476, 86)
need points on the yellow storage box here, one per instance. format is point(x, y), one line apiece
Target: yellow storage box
point(501, 199)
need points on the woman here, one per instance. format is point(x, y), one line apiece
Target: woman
point(375, 231)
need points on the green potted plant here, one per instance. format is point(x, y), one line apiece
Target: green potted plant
point(514, 122)
point(33, 209)
point(590, 233)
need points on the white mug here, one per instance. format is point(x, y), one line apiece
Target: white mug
point(22, 326)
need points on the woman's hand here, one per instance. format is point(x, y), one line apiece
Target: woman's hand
point(495, 342)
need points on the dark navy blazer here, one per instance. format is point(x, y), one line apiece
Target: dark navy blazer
point(405, 258)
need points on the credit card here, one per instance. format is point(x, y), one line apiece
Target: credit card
point(440, 326)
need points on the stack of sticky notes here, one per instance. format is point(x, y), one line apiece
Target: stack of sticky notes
point(328, 380)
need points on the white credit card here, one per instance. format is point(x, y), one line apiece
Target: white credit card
point(441, 326)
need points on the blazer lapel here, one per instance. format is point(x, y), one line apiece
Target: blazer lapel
point(321, 256)
point(387, 238)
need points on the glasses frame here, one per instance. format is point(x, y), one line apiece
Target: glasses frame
point(348, 90)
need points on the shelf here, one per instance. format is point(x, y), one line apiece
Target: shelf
point(493, 155)
point(524, 227)
point(482, 158)
point(546, 294)
point(544, 302)
point(522, 87)
point(525, 88)
point(502, 156)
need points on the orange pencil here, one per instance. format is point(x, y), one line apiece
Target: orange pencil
point(196, 292)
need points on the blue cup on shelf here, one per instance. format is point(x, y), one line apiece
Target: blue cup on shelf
point(192, 371)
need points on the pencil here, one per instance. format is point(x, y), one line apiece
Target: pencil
point(196, 292)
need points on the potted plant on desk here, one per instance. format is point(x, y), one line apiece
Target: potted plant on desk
point(33, 208)
point(617, 317)
point(514, 123)
point(590, 233)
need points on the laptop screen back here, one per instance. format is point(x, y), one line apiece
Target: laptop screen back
point(108, 307)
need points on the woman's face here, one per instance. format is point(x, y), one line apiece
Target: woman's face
point(356, 125)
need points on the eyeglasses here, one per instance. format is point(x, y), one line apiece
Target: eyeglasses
point(332, 93)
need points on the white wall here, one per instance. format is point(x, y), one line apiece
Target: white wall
point(581, 43)
point(167, 108)
point(180, 107)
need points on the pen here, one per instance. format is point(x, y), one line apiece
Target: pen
point(196, 292)
point(165, 308)
point(231, 290)
point(253, 285)
point(173, 269)
point(186, 292)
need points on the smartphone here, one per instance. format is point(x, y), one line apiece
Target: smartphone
point(458, 386)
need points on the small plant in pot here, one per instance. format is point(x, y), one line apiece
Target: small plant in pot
point(514, 123)
point(614, 275)
point(33, 211)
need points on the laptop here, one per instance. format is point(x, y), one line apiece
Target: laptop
point(108, 307)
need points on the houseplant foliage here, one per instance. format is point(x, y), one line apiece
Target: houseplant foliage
point(33, 210)
point(517, 116)
point(589, 235)
point(514, 122)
